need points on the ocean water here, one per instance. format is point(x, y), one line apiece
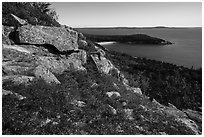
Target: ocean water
point(187, 50)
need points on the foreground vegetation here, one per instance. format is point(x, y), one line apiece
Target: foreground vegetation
point(50, 109)
point(53, 109)
point(80, 104)
point(165, 82)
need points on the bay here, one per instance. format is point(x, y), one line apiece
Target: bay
point(186, 50)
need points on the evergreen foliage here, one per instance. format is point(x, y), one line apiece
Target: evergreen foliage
point(165, 82)
point(35, 13)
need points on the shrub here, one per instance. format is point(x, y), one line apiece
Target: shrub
point(36, 13)
point(163, 81)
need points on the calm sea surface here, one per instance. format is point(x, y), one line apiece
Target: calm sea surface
point(187, 50)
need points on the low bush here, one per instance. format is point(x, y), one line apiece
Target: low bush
point(36, 13)
point(165, 82)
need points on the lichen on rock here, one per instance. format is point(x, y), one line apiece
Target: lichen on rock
point(42, 72)
point(63, 39)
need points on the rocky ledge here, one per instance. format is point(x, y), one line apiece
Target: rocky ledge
point(57, 82)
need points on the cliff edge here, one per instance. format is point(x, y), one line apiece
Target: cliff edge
point(54, 81)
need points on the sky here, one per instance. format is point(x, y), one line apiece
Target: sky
point(129, 14)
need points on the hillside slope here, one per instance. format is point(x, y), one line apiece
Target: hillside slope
point(57, 82)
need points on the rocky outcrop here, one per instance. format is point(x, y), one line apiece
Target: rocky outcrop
point(63, 39)
point(21, 60)
point(128, 114)
point(41, 51)
point(194, 115)
point(17, 60)
point(38, 52)
point(17, 48)
point(59, 66)
point(16, 95)
point(113, 94)
point(5, 34)
point(81, 36)
point(18, 79)
point(42, 72)
point(105, 66)
point(20, 21)
point(186, 118)
point(180, 117)
point(82, 44)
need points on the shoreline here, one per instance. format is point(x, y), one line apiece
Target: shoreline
point(130, 39)
point(106, 43)
point(164, 60)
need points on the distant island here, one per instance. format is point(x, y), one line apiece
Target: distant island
point(129, 39)
point(155, 27)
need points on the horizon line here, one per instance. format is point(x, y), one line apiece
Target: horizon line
point(138, 27)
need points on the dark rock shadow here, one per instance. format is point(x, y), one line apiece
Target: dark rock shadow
point(14, 36)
